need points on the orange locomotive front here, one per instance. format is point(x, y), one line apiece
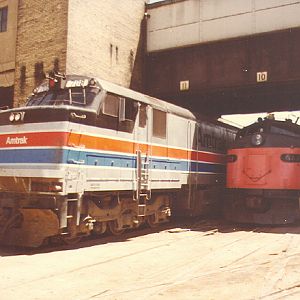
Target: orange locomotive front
point(263, 174)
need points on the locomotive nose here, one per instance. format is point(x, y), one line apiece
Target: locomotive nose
point(256, 167)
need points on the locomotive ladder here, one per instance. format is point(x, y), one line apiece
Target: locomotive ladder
point(70, 214)
point(143, 190)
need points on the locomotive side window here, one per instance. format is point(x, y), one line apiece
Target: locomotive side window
point(143, 115)
point(130, 109)
point(159, 124)
point(118, 113)
point(124, 108)
point(111, 105)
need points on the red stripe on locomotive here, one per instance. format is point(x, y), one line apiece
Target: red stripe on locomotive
point(71, 139)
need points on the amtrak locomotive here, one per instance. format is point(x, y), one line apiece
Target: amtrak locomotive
point(85, 156)
point(263, 174)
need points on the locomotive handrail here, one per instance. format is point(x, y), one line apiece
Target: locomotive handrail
point(76, 162)
point(74, 115)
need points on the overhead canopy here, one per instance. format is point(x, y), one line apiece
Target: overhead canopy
point(249, 74)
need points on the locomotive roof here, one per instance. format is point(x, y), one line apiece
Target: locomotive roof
point(287, 125)
point(152, 101)
point(157, 103)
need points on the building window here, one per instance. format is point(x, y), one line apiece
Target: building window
point(3, 19)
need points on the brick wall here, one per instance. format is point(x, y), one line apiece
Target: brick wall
point(41, 43)
point(96, 38)
point(104, 38)
point(8, 53)
point(8, 43)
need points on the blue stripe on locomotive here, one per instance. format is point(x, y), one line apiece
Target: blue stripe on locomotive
point(57, 156)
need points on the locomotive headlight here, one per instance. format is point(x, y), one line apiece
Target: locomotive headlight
point(257, 139)
point(11, 117)
point(17, 117)
point(231, 158)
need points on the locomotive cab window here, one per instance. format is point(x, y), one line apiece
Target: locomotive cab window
point(118, 113)
point(159, 124)
point(127, 110)
point(143, 115)
point(76, 96)
point(111, 105)
point(123, 108)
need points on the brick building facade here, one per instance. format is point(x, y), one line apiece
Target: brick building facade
point(41, 43)
point(8, 34)
point(97, 38)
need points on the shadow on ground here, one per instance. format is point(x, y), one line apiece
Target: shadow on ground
point(176, 226)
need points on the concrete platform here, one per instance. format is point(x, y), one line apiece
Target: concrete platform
point(184, 260)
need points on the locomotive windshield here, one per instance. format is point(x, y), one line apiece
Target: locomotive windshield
point(65, 91)
point(77, 96)
point(271, 126)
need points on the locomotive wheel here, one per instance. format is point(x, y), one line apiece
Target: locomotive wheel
point(151, 221)
point(99, 228)
point(113, 228)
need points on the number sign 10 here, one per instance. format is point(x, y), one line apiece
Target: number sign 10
point(261, 76)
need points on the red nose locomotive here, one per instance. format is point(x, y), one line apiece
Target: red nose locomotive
point(263, 174)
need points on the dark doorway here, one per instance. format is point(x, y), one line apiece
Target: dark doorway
point(6, 96)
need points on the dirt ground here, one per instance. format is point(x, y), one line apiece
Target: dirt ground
point(183, 260)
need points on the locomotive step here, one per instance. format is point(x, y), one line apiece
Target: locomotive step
point(142, 210)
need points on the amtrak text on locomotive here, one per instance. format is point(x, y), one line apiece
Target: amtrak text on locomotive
point(16, 140)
